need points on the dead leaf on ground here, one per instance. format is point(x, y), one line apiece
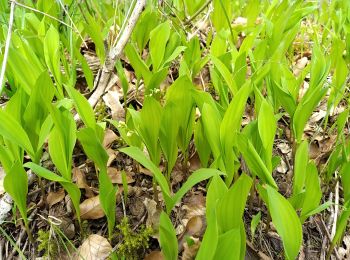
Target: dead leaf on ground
point(80, 180)
point(300, 65)
point(112, 155)
point(153, 214)
point(195, 162)
point(55, 197)
point(94, 247)
point(91, 209)
point(109, 138)
point(116, 176)
point(154, 255)
point(111, 99)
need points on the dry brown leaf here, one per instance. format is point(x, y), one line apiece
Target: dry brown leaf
point(112, 155)
point(153, 214)
point(111, 99)
point(95, 247)
point(116, 176)
point(55, 197)
point(109, 138)
point(195, 162)
point(80, 180)
point(300, 65)
point(154, 255)
point(91, 209)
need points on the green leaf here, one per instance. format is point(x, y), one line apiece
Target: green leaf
point(167, 135)
point(254, 224)
point(52, 55)
point(229, 245)
point(13, 131)
point(300, 164)
point(16, 184)
point(226, 74)
point(159, 36)
point(267, 125)
point(210, 239)
point(167, 237)
point(93, 147)
point(253, 160)
point(313, 193)
point(94, 30)
point(231, 207)
point(83, 107)
point(286, 222)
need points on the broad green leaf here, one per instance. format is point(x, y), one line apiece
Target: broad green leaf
point(229, 245)
point(174, 55)
point(167, 135)
point(254, 224)
point(210, 239)
point(122, 77)
point(158, 38)
point(300, 165)
point(286, 221)
point(231, 207)
point(13, 131)
point(222, 13)
point(201, 143)
point(167, 237)
point(16, 184)
point(313, 193)
point(267, 125)
point(52, 56)
point(107, 198)
point(226, 74)
point(94, 31)
point(93, 147)
point(253, 160)
point(217, 189)
point(83, 107)
point(137, 63)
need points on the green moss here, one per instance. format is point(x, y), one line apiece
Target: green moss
point(47, 244)
point(133, 242)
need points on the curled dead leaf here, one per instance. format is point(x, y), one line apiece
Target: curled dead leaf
point(55, 197)
point(94, 247)
point(300, 65)
point(190, 251)
point(91, 209)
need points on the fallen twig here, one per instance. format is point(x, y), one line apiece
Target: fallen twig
point(102, 82)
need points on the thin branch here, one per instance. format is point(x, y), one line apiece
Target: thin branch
point(7, 46)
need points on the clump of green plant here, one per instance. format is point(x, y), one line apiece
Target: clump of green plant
point(47, 244)
point(133, 242)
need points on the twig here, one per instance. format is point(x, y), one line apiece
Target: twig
point(114, 54)
point(336, 208)
point(7, 45)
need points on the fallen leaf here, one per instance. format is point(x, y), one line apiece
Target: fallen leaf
point(300, 65)
point(154, 255)
point(153, 214)
point(112, 155)
point(91, 209)
point(195, 162)
point(116, 176)
point(111, 99)
point(55, 197)
point(94, 247)
point(109, 138)
point(80, 180)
